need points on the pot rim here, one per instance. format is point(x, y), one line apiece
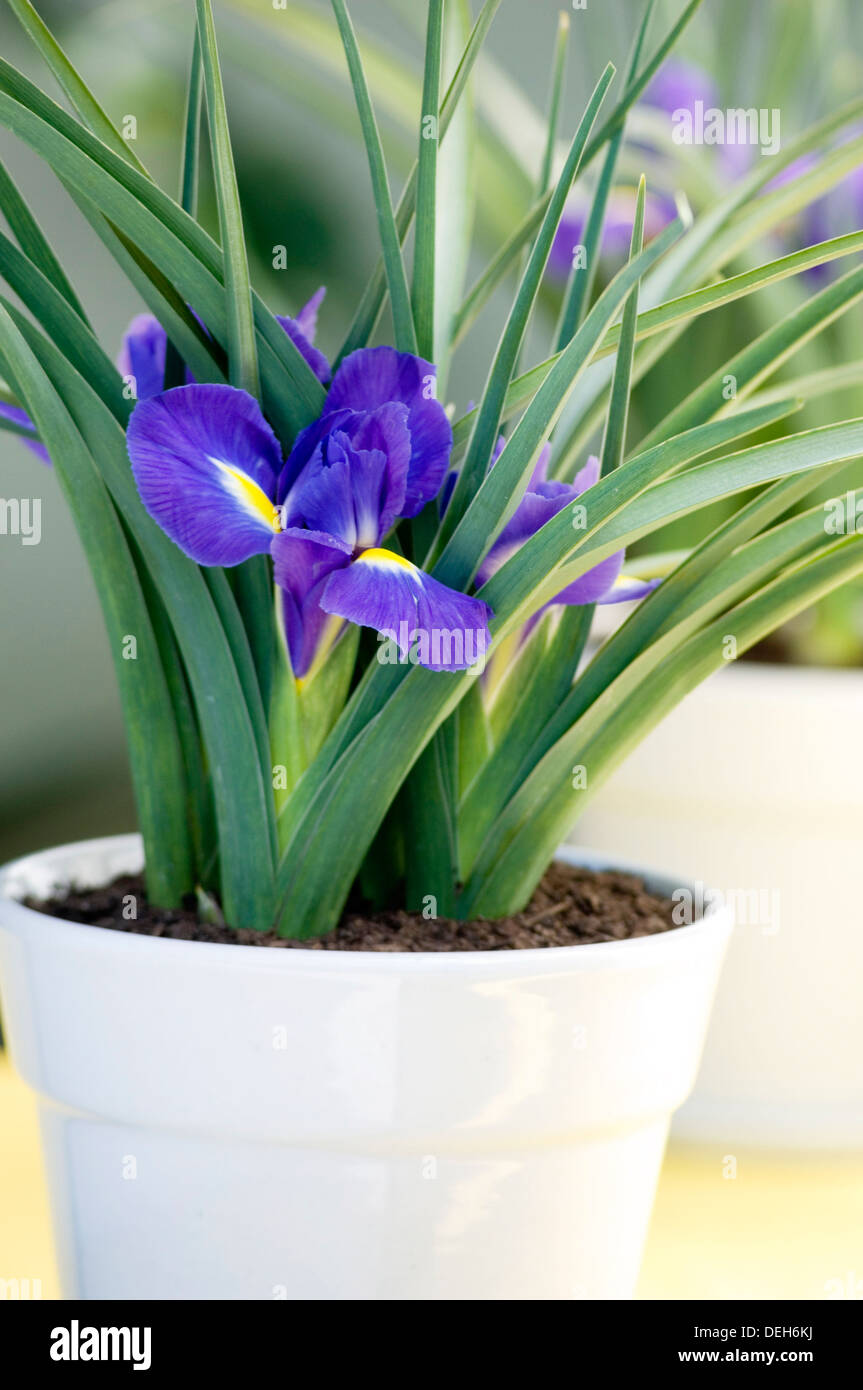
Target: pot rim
point(717, 921)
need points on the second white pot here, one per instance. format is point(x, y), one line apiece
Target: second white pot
point(756, 782)
point(230, 1122)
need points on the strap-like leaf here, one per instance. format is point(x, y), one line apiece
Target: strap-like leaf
point(70, 80)
point(227, 703)
point(403, 321)
point(175, 243)
point(374, 295)
point(489, 416)
point(423, 296)
point(32, 240)
point(580, 283)
point(547, 805)
point(154, 747)
point(242, 354)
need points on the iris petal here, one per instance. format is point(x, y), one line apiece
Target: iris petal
point(307, 442)
point(445, 630)
point(307, 319)
point(377, 448)
point(533, 511)
point(322, 499)
point(587, 476)
point(206, 462)
point(312, 355)
point(301, 331)
point(303, 562)
point(142, 355)
point(373, 377)
point(596, 585)
point(630, 590)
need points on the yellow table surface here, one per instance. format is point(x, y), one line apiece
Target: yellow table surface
point(784, 1227)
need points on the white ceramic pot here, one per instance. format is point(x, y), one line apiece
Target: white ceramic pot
point(756, 783)
point(226, 1122)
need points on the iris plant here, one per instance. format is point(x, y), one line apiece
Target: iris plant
point(317, 561)
point(210, 471)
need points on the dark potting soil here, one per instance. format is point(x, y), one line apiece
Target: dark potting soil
point(571, 907)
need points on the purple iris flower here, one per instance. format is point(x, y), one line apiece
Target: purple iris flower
point(676, 86)
point(543, 499)
point(209, 471)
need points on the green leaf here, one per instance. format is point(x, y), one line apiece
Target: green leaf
point(154, 747)
point(175, 243)
point(558, 81)
point(253, 587)
point(749, 367)
point(614, 442)
point(175, 373)
point(456, 203)
point(427, 806)
point(242, 354)
point(78, 93)
point(64, 324)
point(200, 811)
point(488, 419)
point(547, 806)
point(431, 841)
point(32, 241)
point(580, 284)
point(423, 298)
point(228, 706)
point(205, 358)
point(403, 322)
point(374, 295)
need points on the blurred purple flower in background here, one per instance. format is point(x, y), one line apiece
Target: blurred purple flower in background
point(678, 85)
point(838, 212)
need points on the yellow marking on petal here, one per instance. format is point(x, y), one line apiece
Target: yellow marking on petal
point(386, 556)
point(332, 630)
point(253, 497)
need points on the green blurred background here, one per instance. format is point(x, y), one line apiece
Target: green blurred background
point(305, 185)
